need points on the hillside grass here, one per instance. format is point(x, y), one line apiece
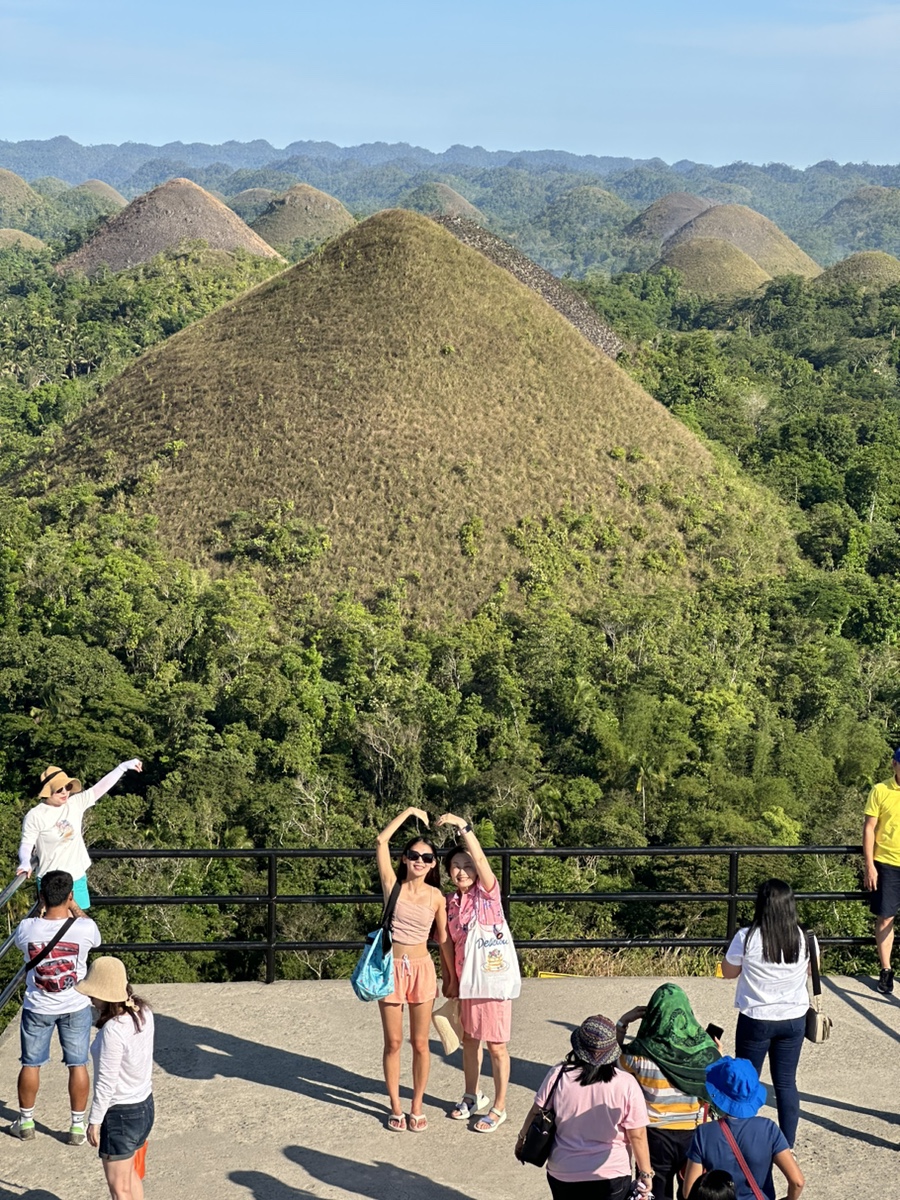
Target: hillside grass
point(666, 216)
point(397, 407)
point(18, 237)
point(753, 233)
point(870, 269)
point(302, 219)
point(437, 199)
point(713, 267)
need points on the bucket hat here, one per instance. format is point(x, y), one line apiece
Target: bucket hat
point(734, 1087)
point(594, 1041)
point(106, 980)
point(54, 778)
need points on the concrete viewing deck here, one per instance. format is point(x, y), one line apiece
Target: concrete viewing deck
point(275, 1093)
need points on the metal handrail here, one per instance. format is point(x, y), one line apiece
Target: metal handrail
point(271, 899)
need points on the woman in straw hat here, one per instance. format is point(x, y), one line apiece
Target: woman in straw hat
point(600, 1115)
point(121, 1115)
point(52, 829)
point(737, 1095)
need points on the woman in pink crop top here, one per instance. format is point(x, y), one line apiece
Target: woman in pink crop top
point(420, 907)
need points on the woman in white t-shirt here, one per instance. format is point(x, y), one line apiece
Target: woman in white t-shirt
point(52, 829)
point(121, 1115)
point(601, 1120)
point(770, 960)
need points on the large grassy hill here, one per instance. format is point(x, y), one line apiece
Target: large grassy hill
point(177, 211)
point(414, 403)
point(753, 233)
point(301, 219)
point(440, 200)
point(713, 267)
point(666, 216)
point(872, 270)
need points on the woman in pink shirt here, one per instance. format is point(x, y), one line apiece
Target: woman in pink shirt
point(601, 1120)
point(477, 897)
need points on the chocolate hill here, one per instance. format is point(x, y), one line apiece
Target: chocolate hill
point(303, 214)
point(753, 233)
point(16, 237)
point(713, 267)
point(417, 404)
point(103, 191)
point(18, 201)
point(583, 210)
point(175, 212)
point(872, 270)
point(869, 219)
point(437, 199)
point(666, 216)
point(251, 203)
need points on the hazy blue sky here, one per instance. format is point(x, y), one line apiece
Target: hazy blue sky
point(794, 81)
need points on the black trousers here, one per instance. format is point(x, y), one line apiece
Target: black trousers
point(590, 1189)
point(668, 1152)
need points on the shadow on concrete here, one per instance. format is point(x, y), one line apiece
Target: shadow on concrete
point(198, 1052)
point(267, 1187)
point(33, 1194)
point(848, 999)
point(857, 1135)
point(869, 983)
point(890, 1118)
point(378, 1181)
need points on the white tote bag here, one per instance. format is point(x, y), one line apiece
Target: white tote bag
point(490, 966)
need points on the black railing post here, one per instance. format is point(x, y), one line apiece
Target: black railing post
point(271, 927)
point(505, 882)
point(733, 858)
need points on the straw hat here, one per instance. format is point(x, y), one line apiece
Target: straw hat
point(447, 1023)
point(595, 1042)
point(106, 980)
point(54, 778)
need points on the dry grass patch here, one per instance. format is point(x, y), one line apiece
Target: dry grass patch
point(870, 269)
point(666, 216)
point(712, 267)
point(16, 237)
point(303, 214)
point(414, 402)
point(437, 199)
point(103, 191)
point(18, 201)
point(753, 233)
point(177, 211)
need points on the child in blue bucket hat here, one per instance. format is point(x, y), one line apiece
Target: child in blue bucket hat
point(737, 1096)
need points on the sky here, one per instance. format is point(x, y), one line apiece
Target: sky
point(793, 81)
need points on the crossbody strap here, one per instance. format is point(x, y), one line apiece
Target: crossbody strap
point(814, 966)
point(559, 1075)
point(387, 917)
point(742, 1163)
point(51, 945)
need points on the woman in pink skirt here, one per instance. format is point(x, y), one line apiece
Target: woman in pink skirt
point(477, 897)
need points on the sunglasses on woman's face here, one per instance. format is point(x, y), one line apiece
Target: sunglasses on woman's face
point(414, 856)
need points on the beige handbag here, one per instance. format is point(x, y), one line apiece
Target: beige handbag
point(818, 1025)
point(447, 1022)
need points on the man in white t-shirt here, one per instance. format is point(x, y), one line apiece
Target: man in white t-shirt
point(52, 1002)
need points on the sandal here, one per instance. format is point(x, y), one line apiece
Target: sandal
point(417, 1124)
point(488, 1123)
point(397, 1122)
point(470, 1106)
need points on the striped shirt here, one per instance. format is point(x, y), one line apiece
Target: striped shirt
point(667, 1106)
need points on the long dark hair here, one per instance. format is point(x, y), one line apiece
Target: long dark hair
point(588, 1073)
point(776, 919)
point(714, 1185)
point(434, 875)
point(136, 1009)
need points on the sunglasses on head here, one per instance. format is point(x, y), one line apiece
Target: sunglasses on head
point(415, 855)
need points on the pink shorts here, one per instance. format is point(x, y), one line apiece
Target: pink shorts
point(415, 980)
point(487, 1020)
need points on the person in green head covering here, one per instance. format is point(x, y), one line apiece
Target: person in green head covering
point(668, 1058)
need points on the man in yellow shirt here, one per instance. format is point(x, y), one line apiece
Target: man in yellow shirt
point(881, 850)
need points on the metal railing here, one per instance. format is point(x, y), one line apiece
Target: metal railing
point(271, 899)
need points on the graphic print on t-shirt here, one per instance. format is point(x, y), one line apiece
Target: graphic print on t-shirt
point(65, 830)
point(57, 972)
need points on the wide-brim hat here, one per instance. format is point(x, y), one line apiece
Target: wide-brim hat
point(595, 1042)
point(447, 1023)
point(106, 980)
point(734, 1087)
point(54, 778)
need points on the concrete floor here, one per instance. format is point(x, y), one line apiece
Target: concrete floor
point(275, 1093)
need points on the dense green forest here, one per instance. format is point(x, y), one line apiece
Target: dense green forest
point(754, 708)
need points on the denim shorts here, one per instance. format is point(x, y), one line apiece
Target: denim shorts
point(125, 1128)
point(74, 1029)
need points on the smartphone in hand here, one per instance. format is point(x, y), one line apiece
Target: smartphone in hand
point(714, 1031)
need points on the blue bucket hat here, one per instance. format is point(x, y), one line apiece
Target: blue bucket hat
point(895, 757)
point(734, 1088)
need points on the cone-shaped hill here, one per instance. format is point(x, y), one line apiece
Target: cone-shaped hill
point(712, 267)
point(437, 199)
point(251, 203)
point(583, 210)
point(302, 215)
point(666, 216)
point(103, 191)
point(415, 402)
point(753, 233)
point(870, 269)
point(159, 220)
point(17, 237)
point(869, 219)
point(18, 201)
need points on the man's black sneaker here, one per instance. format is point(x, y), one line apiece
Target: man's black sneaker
point(886, 982)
